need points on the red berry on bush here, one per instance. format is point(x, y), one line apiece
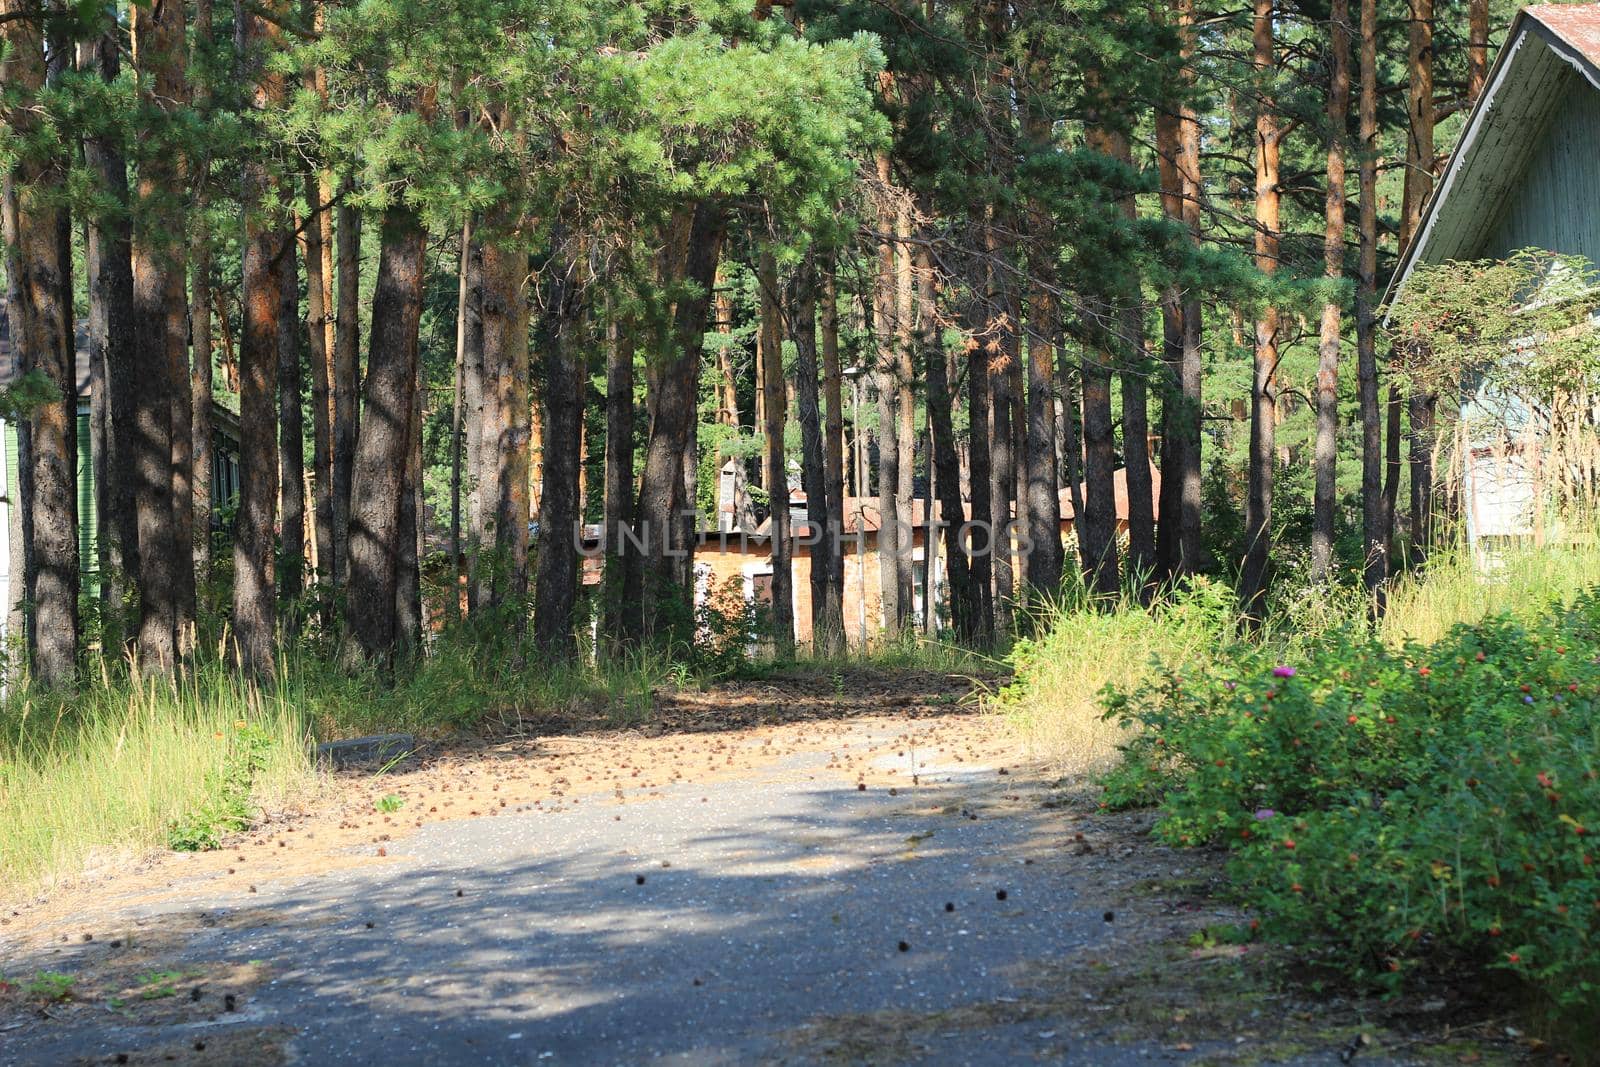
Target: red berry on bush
point(1288, 843)
point(1352, 720)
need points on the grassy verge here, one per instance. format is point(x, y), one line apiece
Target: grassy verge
point(1056, 701)
point(127, 765)
point(1399, 810)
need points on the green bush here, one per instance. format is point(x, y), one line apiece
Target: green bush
point(1400, 806)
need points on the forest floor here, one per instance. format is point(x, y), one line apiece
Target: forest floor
point(851, 869)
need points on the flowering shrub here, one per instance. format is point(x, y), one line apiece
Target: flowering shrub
point(1397, 806)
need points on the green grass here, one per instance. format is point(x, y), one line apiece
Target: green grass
point(128, 765)
point(86, 782)
point(1055, 700)
point(1451, 590)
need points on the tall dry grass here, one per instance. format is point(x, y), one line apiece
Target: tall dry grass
point(87, 783)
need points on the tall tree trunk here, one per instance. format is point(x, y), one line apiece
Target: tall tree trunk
point(291, 432)
point(1254, 576)
point(254, 591)
point(885, 312)
point(1096, 521)
point(776, 410)
point(39, 274)
point(346, 384)
point(464, 299)
point(160, 336)
point(318, 248)
point(482, 435)
point(1135, 396)
point(905, 427)
point(619, 467)
point(1391, 475)
point(1375, 565)
point(108, 259)
point(381, 493)
point(1180, 525)
point(505, 359)
point(1002, 459)
point(560, 509)
point(981, 547)
point(321, 365)
point(831, 636)
point(1045, 554)
point(1168, 548)
point(1418, 186)
point(410, 537)
point(691, 251)
point(803, 327)
point(200, 389)
point(1477, 49)
point(943, 463)
point(1327, 443)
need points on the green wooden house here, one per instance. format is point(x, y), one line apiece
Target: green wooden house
point(1525, 174)
point(224, 472)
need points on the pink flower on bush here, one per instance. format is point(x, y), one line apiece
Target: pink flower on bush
point(1283, 672)
point(1263, 814)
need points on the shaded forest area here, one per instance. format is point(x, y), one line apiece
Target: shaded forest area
point(477, 273)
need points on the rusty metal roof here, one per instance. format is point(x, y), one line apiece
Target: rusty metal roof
point(1551, 51)
point(1578, 25)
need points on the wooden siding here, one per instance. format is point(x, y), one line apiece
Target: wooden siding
point(1555, 204)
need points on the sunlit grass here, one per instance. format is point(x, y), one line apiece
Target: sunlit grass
point(87, 783)
point(1452, 589)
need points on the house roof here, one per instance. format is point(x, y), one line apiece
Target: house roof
point(1549, 50)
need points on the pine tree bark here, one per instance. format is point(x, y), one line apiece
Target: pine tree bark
point(1477, 49)
point(825, 628)
point(1002, 458)
point(320, 359)
point(980, 546)
point(1135, 398)
point(1045, 555)
point(690, 253)
point(905, 426)
point(254, 592)
point(1096, 521)
point(382, 496)
point(1180, 523)
point(1418, 186)
point(38, 273)
point(943, 462)
point(776, 411)
point(1254, 575)
point(1328, 350)
point(619, 468)
point(201, 392)
point(833, 633)
point(505, 361)
point(160, 333)
point(560, 509)
point(885, 310)
point(1375, 565)
point(346, 384)
point(318, 249)
point(113, 374)
point(291, 432)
